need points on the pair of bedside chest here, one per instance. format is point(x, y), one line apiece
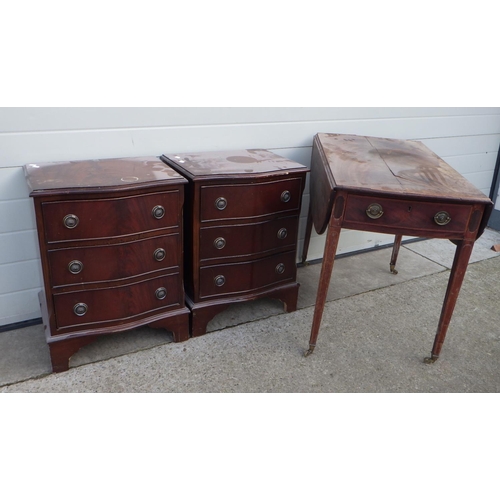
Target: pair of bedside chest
point(167, 242)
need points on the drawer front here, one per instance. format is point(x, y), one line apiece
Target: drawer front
point(111, 304)
point(248, 239)
point(113, 262)
point(250, 200)
point(103, 218)
point(247, 276)
point(409, 216)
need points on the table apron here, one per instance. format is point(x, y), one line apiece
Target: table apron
point(406, 231)
point(406, 216)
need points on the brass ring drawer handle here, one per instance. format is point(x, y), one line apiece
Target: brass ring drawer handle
point(442, 218)
point(80, 309)
point(280, 268)
point(219, 280)
point(71, 221)
point(158, 212)
point(286, 196)
point(75, 267)
point(161, 293)
point(282, 233)
point(375, 211)
point(219, 243)
point(159, 254)
point(221, 203)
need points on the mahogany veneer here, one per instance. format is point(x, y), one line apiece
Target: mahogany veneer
point(396, 187)
point(110, 236)
point(241, 224)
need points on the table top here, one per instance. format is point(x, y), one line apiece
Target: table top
point(231, 163)
point(388, 167)
point(85, 175)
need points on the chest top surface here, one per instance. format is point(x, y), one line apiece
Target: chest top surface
point(391, 166)
point(232, 163)
point(117, 173)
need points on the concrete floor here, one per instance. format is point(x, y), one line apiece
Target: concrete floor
point(376, 329)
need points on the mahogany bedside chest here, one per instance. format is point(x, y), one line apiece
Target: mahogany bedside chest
point(241, 224)
point(395, 187)
point(110, 236)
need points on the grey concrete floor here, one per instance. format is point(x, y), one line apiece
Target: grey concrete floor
point(376, 329)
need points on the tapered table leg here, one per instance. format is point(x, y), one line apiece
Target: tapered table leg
point(458, 270)
point(307, 237)
point(332, 240)
point(395, 252)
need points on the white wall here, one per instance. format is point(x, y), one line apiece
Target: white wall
point(467, 138)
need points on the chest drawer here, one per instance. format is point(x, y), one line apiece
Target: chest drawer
point(408, 216)
point(118, 303)
point(249, 200)
point(98, 263)
point(247, 276)
point(248, 239)
point(104, 218)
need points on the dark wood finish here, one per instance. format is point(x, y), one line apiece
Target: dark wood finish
point(120, 266)
point(307, 237)
point(412, 217)
point(332, 242)
point(415, 192)
point(115, 174)
point(242, 208)
point(242, 240)
point(61, 352)
point(117, 217)
point(395, 252)
point(248, 276)
point(114, 261)
point(116, 302)
point(262, 199)
point(203, 312)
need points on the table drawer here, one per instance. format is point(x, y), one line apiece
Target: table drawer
point(113, 262)
point(407, 217)
point(250, 200)
point(103, 218)
point(248, 239)
point(117, 303)
point(247, 276)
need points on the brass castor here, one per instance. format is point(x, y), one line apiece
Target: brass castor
point(309, 351)
point(393, 269)
point(430, 360)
